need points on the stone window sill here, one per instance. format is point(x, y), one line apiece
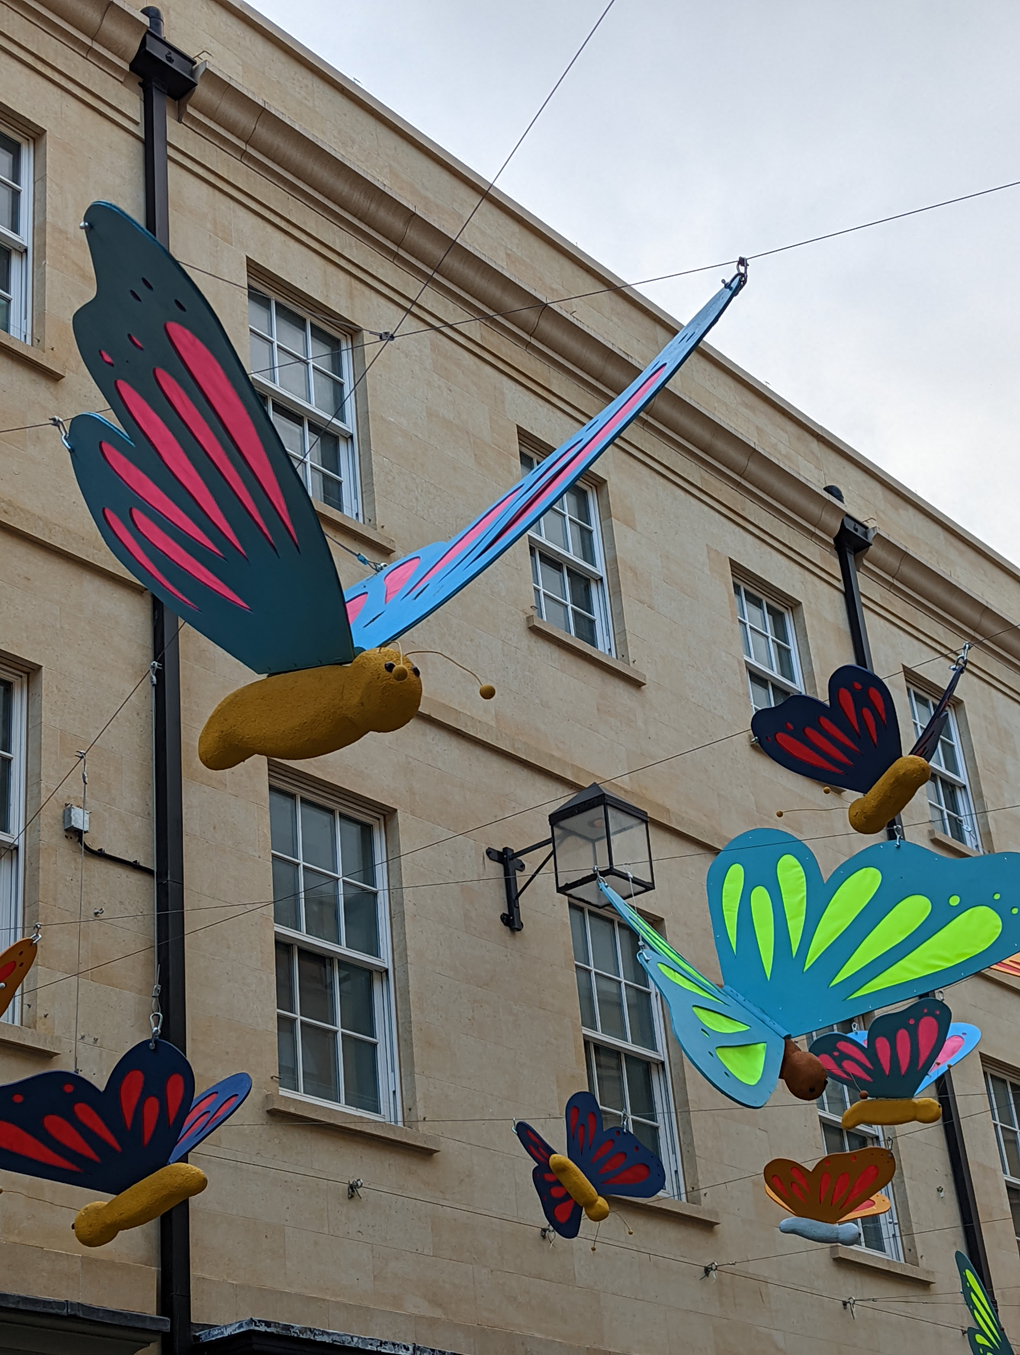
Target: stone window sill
point(29, 1041)
point(361, 531)
point(854, 1256)
point(560, 637)
point(679, 1209)
point(32, 357)
point(325, 1117)
point(951, 844)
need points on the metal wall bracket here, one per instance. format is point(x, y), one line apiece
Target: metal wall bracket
point(512, 866)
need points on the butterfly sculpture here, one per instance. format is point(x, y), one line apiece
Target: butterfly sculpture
point(597, 1159)
point(825, 1200)
point(15, 962)
point(854, 742)
point(201, 503)
point(898, 1055)
point(987, 1338)
point(798, 952)
point(126, 1140)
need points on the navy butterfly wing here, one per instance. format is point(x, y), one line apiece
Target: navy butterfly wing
point(928, 740)
point(849, 742)
point(615, 1161)
point(61, 1127)
point(900, 1050)
point(200, 502)
point(849, 1061)
point(216, 1104)
point(562, 1212)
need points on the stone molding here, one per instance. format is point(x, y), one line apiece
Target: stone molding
point(28, 1040)
point(678, 1209)
point(902, 1270)
point(33, 357)
point(325, 1117)
point(560, 637)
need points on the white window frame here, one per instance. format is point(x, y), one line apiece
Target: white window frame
point(1012, 1182)
point(595, 573)
point(661, 1090)
point(780, 685)
point(311, 417)
point(381, 966)
point(12, 856)
point(887, 1224)
point(20, 244)
point(944, 819)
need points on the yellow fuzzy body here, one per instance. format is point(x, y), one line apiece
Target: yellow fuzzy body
point(99, 1223)
point(892, 1110)
point(890, 794)
point(312, 711)
point(578, 1187)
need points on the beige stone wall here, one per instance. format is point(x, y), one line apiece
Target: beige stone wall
point(283, 170)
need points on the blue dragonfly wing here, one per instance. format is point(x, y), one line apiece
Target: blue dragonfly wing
point(893, 922)
point(987, 1337)
point(384, 607)
point(738, 1052)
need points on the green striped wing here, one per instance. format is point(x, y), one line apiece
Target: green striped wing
point(987, 1335)
point(730, 1044)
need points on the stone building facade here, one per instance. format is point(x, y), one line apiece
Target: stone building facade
point(394, 1039)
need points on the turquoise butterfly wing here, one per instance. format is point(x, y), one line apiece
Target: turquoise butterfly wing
point(732, 1046)
point(988, 1334)
point(894, 921)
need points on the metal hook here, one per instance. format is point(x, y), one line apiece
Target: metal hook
point(154, 668)
point(36, 933)
point(155, 1014)
point(354, 1188)
point(61, 427)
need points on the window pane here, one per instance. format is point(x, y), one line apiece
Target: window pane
point(315, 985)
point(10, 208)
point(10, 159)
point(554, 528)
point(321, 898)
point(357, 854)
point(259, 312)
point(319, 1063)
point(832, 1137)
point(361, 921)
point(586, 998)
point(291, 431)
point(5, 271)
point(290, 330)
point(1011, 1151)
point(286, 902)
point(324, 448)
point(326, 351)
point(552, 577)
point(603, 943)
point(947, 756)
point(647, 1133)
point(576, 501)
point(282, 822)
point(872, 1233)
point(584, 629)
point(609, 1078)
point(631, 965)
point(286, 1052)
point(738, 593)
point(318, 835)
point(584, 543)
point(328, 394)
point(580, 591)
point(610, 1001)
point(527, 463)
point(578, 935)
point(291, 373)
point(755, 610)
point(761, 692)
point(639, 1087)
point(639, 1010)
point(361, 1075)
point(356, 1008)
point(1014, 1208)
point(784, 662)
point(284, 979)
point(555, 613)
point(261, 357)
point(1002, 1105)
point(760, 649)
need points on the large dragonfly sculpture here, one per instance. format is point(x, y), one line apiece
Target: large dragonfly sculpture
point(198, 499)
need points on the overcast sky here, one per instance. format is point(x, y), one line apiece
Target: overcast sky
point(692, 133)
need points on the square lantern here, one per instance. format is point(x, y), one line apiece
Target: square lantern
point(596, 834)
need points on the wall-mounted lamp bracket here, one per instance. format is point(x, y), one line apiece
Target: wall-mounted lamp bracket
point(512, 866)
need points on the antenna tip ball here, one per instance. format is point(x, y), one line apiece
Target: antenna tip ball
point(486, 691)
point(826, 790)
point(400, 673)
point(779, 813)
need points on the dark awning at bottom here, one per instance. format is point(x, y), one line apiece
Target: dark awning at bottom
point(56, 1326)
point(254, 1336)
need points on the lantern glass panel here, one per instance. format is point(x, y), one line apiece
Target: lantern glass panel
point(581, 845)
point(629, 845)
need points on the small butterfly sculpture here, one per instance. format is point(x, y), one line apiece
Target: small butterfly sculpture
point(843, 1186)
point(854, 742)
point(798, 952)
point(127, 1139)
point(202, 504)
point(987, 1338)
point(890, 1062)
point(15, 962)
point(597, 1159)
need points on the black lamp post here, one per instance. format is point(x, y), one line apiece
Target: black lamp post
point(595, 835)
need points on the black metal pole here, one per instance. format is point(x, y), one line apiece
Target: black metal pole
point(851, 539)
point(962, 1180)
point(168, 801)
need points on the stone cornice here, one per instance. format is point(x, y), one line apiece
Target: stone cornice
point(264, 137)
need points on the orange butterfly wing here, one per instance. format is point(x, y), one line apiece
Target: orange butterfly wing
point(838, 1186)
point(15, 963)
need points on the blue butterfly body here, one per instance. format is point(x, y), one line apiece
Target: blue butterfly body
point(798, 952)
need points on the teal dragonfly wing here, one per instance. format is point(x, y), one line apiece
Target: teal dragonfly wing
point(894, 921)
point(738, 1051)
point(987, 1336)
